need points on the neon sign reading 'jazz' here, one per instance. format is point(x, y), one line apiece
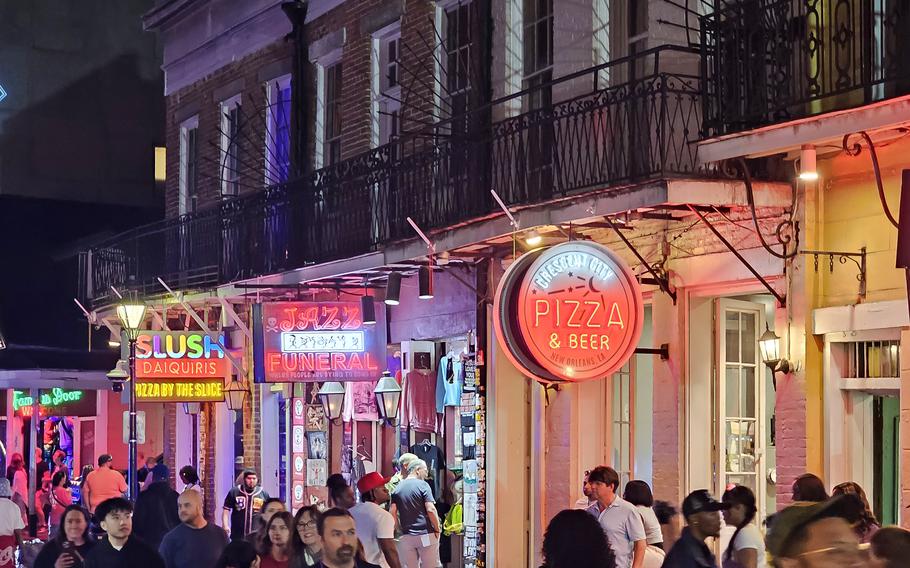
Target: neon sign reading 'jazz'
point(317, 341)
point(170, 354)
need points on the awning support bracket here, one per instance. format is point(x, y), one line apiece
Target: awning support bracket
point(662, 281)
point(781, 298)
point(842, 258)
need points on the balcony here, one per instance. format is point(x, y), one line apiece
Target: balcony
point(633, 120)
point(781, 60)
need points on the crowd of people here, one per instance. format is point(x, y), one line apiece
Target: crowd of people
point(397, 524)
point(819, 530)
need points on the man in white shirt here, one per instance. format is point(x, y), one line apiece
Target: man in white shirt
point(619, 518)
point(375, 526)
point(11, 525)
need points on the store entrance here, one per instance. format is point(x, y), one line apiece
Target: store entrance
point(885, 428)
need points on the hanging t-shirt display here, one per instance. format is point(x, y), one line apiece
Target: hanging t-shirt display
point(418, 402)
point(360, 402)
point(449, 382)
point(436, 464)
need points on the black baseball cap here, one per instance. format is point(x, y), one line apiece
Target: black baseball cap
point(701, 501)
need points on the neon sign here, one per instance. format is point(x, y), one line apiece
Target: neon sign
point(569, 313)
point(179, 355)
point(194, 390)
point(56, 401)
point(315, 341)
point(56, 397)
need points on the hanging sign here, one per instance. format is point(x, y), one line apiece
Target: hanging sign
point(316, 341)
point(180, 366)
point(569, 313)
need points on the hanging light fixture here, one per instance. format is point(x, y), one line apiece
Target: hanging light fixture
point(808, 166)
point(192, 408)
point(425, 282)
point(443, 258)
point(368, 309)
point(236, 394)
point(332, 397)
point(113, 340)
point(533, 238)
point(388, 393)
point(393, 289)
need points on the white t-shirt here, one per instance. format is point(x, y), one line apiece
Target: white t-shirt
point(372, 523)
point(750, 537)
point(10, 517)
point(653, 535)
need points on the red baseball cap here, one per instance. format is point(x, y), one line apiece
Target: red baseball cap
point(371, 481)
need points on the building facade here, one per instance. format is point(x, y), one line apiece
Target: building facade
point(440, 141)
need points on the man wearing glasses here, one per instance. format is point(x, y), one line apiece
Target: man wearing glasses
point(817, 535)
point(119, 549)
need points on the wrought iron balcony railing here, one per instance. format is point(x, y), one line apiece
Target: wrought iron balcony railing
point(773, 61)
point(631, 120)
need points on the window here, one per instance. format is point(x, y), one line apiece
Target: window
point(387, 89)
point(189, 156)
point(332, 139)
point(388, 58)
point(538, 42)
point(458, 43)
point(621, 417)
point(230, 147)
point(278, 132)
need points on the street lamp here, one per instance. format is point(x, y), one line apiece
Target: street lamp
point(388, 393)
point(332, 397)
point(236, 394)
point(131, 315)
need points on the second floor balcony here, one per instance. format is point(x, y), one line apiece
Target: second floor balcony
point(626, 122)
point(772, 61)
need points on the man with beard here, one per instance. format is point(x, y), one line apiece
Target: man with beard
point(242, 506)
point(339, 541)
point(195, 543)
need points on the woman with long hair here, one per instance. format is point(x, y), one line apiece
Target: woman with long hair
point(574, 539)
point(747, 547)
point(639, 494)
point(60, 497)
point(276, 551)
point(238, 554)
point(809, 487)
point(86, 469)
point(867, 524)
point(72, 542)
point(305, 541)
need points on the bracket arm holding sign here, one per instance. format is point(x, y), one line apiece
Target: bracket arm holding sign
point(204, 327)
point(662, 281)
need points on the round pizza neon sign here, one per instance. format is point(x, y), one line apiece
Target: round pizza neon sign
point(572, 312)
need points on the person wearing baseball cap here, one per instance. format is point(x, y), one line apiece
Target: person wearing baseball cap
point(374, 525)
point(103, 483)
point(810, 535)
point(702, 513)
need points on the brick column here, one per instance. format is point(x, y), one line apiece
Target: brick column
point(559, 442)
point(669, 400)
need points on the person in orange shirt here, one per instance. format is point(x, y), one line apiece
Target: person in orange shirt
point(103, 483)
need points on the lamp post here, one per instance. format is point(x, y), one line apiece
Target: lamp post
point(131, 316)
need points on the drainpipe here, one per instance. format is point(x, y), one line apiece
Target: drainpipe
point(296, 12)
